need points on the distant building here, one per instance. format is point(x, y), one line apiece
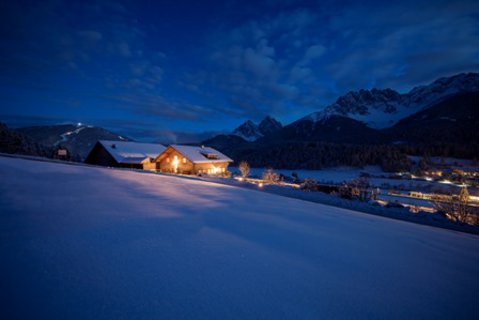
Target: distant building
point(124, 154)
point(61, 153)
point(434, 173)
point(191, 160)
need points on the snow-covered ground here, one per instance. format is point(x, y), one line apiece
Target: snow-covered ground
point(92, 243)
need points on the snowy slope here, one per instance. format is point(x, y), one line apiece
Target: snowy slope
point(96, 243)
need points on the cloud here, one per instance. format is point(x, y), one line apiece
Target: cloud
point(305, 58)
point(395, 47)
point(301, 74)
point(90, 35)
point(312, 53)
point(124, 49)
point(154, 105)
point(257, 70)
point(284, 59)
point(149, 131)
point(19, 121)
point(257, 63)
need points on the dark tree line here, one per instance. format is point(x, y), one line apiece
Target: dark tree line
point(17, 143)
point(317, 155)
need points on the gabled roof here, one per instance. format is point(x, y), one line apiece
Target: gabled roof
point(201, 154)
point(131, 152)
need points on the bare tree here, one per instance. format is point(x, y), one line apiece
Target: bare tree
point(309, 185)
point(456, 207)
point(269, 176)
point(244, 169)
point(357, 188)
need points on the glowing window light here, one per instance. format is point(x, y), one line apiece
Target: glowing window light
point(175, 163)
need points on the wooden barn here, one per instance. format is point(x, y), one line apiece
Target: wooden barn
point(124, 154)
point(192, 160)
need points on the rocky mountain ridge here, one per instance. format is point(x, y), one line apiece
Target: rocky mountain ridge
point(250, 131)
point(383, 108)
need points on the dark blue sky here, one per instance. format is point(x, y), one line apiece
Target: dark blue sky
point(151, 68)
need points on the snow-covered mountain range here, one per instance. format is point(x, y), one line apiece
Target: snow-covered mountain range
point(251, 131)
point(445, 110)
point(440, 118)
point(383, 108)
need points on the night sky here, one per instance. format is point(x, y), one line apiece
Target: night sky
point(148, 69)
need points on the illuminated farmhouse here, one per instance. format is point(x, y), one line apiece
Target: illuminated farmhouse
point(190, 160)
point(156, 157)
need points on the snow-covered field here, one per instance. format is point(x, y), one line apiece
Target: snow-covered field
point(93, 243)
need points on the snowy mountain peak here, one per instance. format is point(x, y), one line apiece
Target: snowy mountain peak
point(251, 131)
point(382, 108)
point(269, 125)
point(360, 102)
point(248, 131)
point(423, 96)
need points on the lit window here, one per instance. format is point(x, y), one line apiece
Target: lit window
point(175, 163)
point(168, 159)
point(184, 160)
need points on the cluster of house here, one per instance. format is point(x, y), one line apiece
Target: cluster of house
point(174, 158)
point(462, 174)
